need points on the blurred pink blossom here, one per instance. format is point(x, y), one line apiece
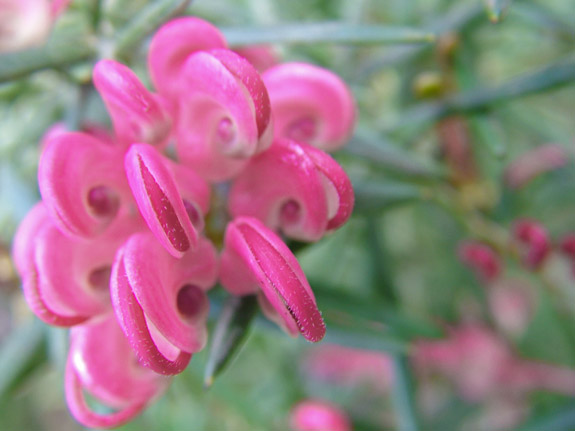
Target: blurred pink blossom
point(318, 415)
point(529, 165)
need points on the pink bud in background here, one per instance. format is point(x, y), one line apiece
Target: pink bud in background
point(567, 245)
point(262, 57)
point(137, 114)
point(101, 362)
point(57, 7)
point(295, 189)
point(350, 367)
point(82, 183)
point(225, 97)
point(24, 23)
point(173, 206)
point(534, 242)
point(171, 46)
point(481, 258)
point(161, 302)
point(512, 305)
point(310, 104)
point(318, 415)
point(256, 260)
point(534, 162)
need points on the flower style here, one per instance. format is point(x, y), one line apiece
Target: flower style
point(117, 248)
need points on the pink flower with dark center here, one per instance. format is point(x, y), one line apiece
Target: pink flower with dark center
point(101, 362)
point(318, 415)
point(310, 105)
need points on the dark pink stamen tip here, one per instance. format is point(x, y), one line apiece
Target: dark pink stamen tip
point(99, 278)
point(290, 213)
point(194, 214)
point(302, 130)
point(191, 301)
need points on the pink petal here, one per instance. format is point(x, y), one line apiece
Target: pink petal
point(533, 238)
point(262, 57)
point(101, 362)
point(256, 257)
point(283, 188)
point(226, 100)
point(172, 44)
point(338, 188)
point(318, 415)
point(82, 183)
point(160, 200)
point(168, 295)
point(481, 258)
point(137, 114)
point(310, 104)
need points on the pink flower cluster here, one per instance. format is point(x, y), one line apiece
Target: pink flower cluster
point(121, 248)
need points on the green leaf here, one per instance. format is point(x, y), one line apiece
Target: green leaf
point(229, 334)
point(58, 53)
point(496, 9)
point(145, 23)
point(326, 32)
point(562, 419)
point(403, 394)
point(381, 152)
point(547, 78)
point(21, 354)
point(377, 196)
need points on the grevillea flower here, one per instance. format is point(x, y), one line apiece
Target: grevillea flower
point(163, 308)
point(533, 241)
point(24, 23)
point(256, 261)
point(318, 415)
point(293, 188)
point(101, 362)
point(137, 114)
point(226, 97)
point(117, 249)
point(310, 104)
point(262, 57)
point(481, 258)
point(82, 182)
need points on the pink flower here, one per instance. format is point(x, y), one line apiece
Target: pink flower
point(163, 308)
point(101, 362)
point(24, 23)
point(262, 57)
point(481, 258)
point(533, 163)
point(512, 305)
point(256, 260)
point(318, 415)
point(534, 242)
point(310, 105)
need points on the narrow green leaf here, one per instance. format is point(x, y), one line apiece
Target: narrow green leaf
point(22, 353)
point(496, 9)
point(562, 419)
point(488, 136)
point(378, 196)
point(229, 334)
point(544, 79)
point(387, 155)
point(58, 53)
point(403, 394)
point(326, 32)
point(358, 338)
point(146, 22)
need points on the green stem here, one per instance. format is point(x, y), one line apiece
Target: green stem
point(403, 394)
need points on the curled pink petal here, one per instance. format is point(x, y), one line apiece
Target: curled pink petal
point(101, 362)
point(481, 258)
point(533, 238)
point(284, 188)
point(172, 44)
point(82, 183)
point(164, 304)
point(534, 162)
point(160, 201)
point(318, 415)
point(310, 104)
point(254, 258)
point(262, 57)
point(137, 114)
point(338, 188)
point(225, 97)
